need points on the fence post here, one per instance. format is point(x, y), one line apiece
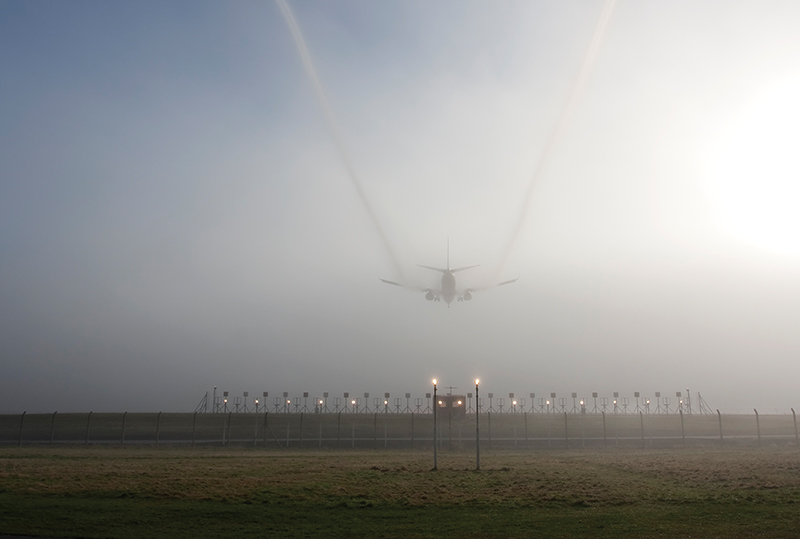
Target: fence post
point(122, 439)
point(266, 426)
point(758, 427)
point(194, 427)
point(88, 419)
point(255, 432)
point(641, 422)
point(525, 416)
point(794, 418)
point(683, 433)
point(489, 423)
point(385, 434)
point(53, 427)
point(548, 428)
point(412, 430)
point(719, 416)
point(353, 435)
point(226, 433)
point(566, 432)
point(158, 427)
point(375, 430)
point(301, 430)
point(320, 430)
point(583, 427)
point(21, 421)
point(605, 439)
point(338, 431)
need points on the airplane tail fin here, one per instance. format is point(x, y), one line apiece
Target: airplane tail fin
point(445, 270)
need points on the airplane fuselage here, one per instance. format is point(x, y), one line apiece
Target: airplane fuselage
point(448, 286)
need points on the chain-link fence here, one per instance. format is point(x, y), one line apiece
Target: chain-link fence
point(399, 431)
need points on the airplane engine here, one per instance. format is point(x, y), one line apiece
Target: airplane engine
point(467, 296)
point(429, 296)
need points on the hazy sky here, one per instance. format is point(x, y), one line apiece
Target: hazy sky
point(175, 214)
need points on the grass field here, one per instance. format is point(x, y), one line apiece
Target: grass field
point(218, 492)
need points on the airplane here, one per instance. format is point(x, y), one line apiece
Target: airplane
point(448, 291)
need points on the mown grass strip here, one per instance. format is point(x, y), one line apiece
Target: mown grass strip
point(126, 518)
point(105, 492)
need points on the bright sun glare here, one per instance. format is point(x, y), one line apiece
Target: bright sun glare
point(755, 172)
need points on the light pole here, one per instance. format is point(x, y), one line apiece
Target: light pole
point(435, 449)
point(477, 428)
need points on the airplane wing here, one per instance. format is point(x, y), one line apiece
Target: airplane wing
point(409, 287)
point(466, 294)
point(430, 293)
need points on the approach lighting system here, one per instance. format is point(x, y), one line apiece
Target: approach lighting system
point(435, 441)
point(477, 427)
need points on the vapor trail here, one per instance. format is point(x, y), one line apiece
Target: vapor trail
point(560, 127)
point(334, 129)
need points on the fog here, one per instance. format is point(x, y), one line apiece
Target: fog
point(176, 212)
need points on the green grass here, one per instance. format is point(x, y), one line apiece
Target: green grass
point(214, 492)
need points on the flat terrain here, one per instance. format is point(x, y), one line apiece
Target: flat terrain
point(217, 492)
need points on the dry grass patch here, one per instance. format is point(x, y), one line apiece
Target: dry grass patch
point(182, 492)
point(520, 478)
